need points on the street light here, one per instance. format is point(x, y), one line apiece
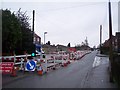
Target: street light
point(44, 36)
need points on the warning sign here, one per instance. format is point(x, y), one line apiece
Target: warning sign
point(6, 67)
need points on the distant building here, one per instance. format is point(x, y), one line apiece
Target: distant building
point(115, 42)
point(37, 39)
point(62, 48)
point(52, 48)
point(85, 47)
point(37, 42)
point(49, 48)
point(106, 43)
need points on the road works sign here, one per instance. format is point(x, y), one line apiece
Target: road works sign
point(30, 65)
point(6, 67)
point(71, 49)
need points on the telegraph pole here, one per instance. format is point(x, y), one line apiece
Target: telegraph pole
point(110, 44)
point(33, 31)
point(100, 39)
point(33, 25)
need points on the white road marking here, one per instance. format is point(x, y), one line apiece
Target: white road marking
point(97, 61)
point(100, 60)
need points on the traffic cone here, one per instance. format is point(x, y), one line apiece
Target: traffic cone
point(68, 62)
point(13, 74)
point(54, 68)
point(40, 70)
point(65, 64)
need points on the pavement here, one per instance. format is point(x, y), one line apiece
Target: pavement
point(99, 75)
point(102, 55)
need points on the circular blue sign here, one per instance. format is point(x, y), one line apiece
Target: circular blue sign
point(30, 65)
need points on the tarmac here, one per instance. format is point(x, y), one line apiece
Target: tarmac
point(7, 78)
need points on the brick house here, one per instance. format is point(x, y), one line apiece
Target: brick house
point(37, 42)
point(115, 42)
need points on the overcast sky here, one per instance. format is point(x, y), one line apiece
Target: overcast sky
point(68, 21)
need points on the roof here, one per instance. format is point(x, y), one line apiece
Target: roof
point(35, 35)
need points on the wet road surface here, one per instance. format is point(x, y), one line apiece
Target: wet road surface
point(72, 76)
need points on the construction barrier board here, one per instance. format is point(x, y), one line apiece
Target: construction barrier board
point(6, 67)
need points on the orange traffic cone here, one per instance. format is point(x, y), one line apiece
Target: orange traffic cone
point(68, 62)
point(13, 74)
point(65, 64)
point(40, 70)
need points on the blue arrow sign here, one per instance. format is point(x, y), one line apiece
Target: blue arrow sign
point(30, 65)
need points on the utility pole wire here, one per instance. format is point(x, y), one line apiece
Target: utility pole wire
point(71, 7)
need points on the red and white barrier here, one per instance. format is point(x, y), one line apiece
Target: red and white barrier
point(52, 61)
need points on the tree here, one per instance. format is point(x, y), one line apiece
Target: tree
point(48, 43)
point(68, 45)
point(77, 47)
point(27, 38)
point(82, 44)
point(10, 31)
point(16, 32)
point(86, 42)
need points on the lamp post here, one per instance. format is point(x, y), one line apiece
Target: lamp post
point(44, 36)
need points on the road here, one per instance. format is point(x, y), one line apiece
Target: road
point(72, 76)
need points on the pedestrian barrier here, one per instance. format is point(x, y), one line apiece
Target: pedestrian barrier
point(52, 62)
point(52, 66)
point(56, 60)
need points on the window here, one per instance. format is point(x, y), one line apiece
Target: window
point(38, 39)
point(34, 39)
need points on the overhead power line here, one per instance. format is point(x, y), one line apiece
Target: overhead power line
point(63, 8)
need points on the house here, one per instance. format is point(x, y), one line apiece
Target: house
point(115, 42)
point(52, 48)
point(106, 43)
point(37, 42)
point(49, 48)
point(62, 48)
point(37, 39)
